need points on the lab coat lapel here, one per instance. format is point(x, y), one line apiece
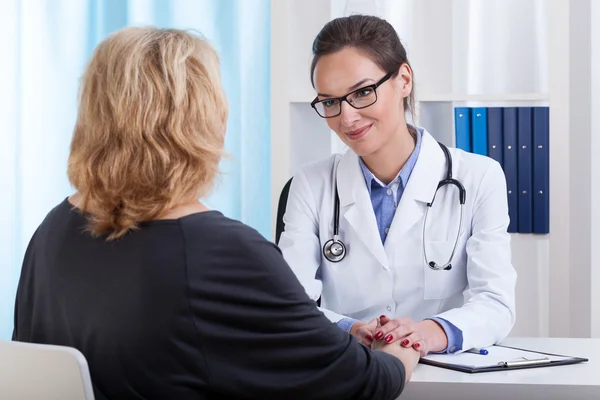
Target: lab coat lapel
point(356, 206)
point(420, 189)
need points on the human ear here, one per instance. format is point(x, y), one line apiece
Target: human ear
point(405, 77)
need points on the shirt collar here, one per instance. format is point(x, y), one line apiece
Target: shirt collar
point(404, 173)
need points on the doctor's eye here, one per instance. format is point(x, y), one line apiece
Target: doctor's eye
point(329, 103)
point(364, 92)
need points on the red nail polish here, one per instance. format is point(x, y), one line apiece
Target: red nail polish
point(379, 335)
point(369, 338)
point(389, 338)
point(417, 345)
point(382, 316)
point(405, 342)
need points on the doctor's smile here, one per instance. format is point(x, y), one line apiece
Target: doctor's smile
point(401, 239)
point(358, 133)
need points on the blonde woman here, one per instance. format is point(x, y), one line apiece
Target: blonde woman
point(165, 298)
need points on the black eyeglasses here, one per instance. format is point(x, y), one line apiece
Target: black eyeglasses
point(360, 98)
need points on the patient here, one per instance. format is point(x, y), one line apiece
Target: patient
point(165, 298)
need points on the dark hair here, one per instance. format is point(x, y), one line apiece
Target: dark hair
point(376, 37)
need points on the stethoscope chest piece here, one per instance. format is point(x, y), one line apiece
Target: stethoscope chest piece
point(334, 250)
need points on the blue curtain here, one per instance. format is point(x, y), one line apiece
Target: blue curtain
point(45, 47)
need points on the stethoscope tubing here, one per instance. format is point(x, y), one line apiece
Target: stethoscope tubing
point(334, 250)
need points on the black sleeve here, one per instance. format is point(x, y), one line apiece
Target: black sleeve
point(23, 296)
point(261, 334)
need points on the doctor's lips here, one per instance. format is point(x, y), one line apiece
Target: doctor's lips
point(358, 133)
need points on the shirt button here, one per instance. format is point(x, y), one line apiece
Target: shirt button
point(389, 308)
point(387, 230)
point(452, 349)
point(389, 192)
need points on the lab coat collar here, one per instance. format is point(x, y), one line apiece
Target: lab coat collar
point(428, 171)
point(419, 191)
point(353, 193)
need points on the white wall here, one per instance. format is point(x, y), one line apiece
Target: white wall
point(574, 300)
point(595, 168)
point(580, 166)
point(557, 303)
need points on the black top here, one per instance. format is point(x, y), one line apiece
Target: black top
point(202, 307)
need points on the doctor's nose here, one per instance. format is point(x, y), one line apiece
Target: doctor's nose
point(348, 114)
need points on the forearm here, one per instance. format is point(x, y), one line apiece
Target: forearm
point(386, 376)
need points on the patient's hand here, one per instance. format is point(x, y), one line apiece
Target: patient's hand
point(408, 355)
point(424, 336)
point(364, 331)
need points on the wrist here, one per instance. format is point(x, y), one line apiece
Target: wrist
point(440, 339)
point(355, 326)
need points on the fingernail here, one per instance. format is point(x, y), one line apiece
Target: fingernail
point(382, 316)
point(417, 345)
point(405, 342)
point(379, 335)
point(389, 338)
point(369, 338)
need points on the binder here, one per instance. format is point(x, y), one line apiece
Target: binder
point(499, 358)
point(509, 129)
point(462, 122)
point(479, 130)
point(525, 169)
point(494, 134)
point(541, 170)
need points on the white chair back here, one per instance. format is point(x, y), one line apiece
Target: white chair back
point(36, 371)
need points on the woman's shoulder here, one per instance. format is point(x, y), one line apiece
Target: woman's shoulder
point(236, 248)
point(214, 228)
point(59, 215)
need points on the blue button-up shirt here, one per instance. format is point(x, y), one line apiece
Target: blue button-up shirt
point(385, 199)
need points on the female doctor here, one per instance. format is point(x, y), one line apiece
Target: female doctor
point(400, 237)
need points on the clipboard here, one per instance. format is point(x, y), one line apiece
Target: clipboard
point(503, 358)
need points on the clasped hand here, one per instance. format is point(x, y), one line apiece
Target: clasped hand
point(424, 336)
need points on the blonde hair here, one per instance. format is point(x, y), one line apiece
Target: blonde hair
point(150, 127)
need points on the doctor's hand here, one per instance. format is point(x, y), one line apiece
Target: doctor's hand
point(365, 331)
point(425, 336)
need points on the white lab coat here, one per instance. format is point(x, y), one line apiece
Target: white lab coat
point(477, 295)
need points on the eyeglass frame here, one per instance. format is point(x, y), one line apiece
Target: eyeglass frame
point(345, 98)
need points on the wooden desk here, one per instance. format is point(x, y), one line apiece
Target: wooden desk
point(578, 381)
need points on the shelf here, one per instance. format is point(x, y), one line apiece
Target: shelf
point(437, 97)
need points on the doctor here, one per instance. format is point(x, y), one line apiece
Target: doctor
point(392, 256)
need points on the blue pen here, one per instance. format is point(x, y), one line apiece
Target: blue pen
point(476, 350)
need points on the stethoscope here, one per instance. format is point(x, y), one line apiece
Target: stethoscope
point(335, 251)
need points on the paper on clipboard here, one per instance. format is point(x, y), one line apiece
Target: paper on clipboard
point(497, 355)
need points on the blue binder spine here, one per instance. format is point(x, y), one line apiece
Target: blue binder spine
point(479, 130)
point(541, 170)
point(509, 128)
point(494, 134)
point(462, 121)
point(525, 169)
